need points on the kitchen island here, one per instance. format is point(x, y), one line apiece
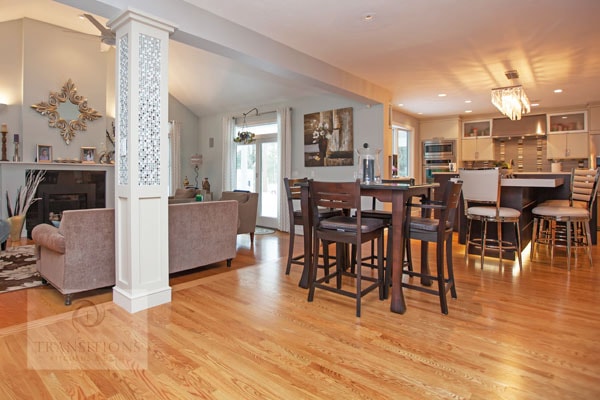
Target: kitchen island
point(523, 192)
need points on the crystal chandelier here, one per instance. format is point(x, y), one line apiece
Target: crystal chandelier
point(511, 101)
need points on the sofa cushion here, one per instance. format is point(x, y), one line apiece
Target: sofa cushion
point(48, 236)
point(184, 193)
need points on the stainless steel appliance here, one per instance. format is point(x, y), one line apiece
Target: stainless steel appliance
point(437, 156)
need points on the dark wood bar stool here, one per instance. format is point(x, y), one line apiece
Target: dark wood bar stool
point(434, 230)
point(344, 230)
point(292, 191)
point(384, 215)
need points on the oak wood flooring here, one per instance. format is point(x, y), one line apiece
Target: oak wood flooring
point(249, 333)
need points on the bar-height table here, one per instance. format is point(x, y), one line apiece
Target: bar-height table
point(395, 193)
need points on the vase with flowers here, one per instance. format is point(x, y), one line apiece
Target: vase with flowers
point(25, 198)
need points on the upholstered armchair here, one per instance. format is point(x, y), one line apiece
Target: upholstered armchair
point(247, 211)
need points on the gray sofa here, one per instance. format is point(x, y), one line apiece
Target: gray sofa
point(79, 255)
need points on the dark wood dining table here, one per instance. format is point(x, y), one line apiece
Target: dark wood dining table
point(395, 193)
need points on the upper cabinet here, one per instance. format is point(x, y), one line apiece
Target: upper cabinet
point(473, 129)
point(479, 149)
point(594, 123)
point(567, 122)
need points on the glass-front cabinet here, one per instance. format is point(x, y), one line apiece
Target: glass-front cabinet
point(473, 129)
point(567, 122)
point(568, 136)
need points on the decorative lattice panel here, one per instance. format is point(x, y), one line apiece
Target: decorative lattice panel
point(149, 111)
point(123, 119)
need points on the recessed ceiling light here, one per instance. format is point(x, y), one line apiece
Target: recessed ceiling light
point(468, 101)
point(557, 90)
point(535, 104)
point(400, 104)
point(420, 113)
point(468, 111)
point(442, 95)
point(367, 17)
point(81, 16)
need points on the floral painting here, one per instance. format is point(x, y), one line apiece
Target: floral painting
point(329, 138)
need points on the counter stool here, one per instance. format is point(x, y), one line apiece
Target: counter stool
point(481, 194)
point(558, 224)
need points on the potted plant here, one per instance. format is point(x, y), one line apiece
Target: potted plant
point(244, 137)
point(24, 200)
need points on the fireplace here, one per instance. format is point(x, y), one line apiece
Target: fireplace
point(66, 190)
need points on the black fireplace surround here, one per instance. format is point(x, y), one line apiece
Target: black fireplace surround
point(66, 190)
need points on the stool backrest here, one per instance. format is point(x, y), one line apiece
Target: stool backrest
point(481, 185)
point(293, 193)
point(584, 186)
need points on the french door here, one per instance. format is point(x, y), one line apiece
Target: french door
point(257, 170)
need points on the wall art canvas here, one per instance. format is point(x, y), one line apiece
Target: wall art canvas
point(329, 138)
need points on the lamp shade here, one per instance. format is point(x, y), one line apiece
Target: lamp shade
point(196, 160)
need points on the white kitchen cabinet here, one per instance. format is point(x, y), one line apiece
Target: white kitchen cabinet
point(595, 121)
point(562, 146)
point(477, 149)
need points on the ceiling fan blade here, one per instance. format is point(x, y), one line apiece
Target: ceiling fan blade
point(103, 30)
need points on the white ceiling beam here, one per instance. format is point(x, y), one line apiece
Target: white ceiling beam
point(201, 29)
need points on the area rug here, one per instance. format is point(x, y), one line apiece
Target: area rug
point(17, 269)
point(259, 230)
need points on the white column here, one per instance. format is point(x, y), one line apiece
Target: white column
point(141, 170)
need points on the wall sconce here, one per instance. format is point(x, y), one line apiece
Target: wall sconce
point(196, 162)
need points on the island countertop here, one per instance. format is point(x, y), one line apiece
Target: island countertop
point(533, 182)
point(546, 181)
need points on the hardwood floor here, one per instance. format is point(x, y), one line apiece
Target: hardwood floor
point(250, 333)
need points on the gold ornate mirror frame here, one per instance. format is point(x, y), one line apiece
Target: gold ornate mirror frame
point(51, 109)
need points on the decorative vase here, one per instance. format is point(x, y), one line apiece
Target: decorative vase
point(322, 148)
point(16, 227)
point(206, 185)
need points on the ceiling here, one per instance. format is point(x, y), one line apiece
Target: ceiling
point(416, 49)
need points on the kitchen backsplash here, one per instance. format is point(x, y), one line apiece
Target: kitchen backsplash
point(528, 154)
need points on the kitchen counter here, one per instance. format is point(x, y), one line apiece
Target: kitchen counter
point(523, 193)
point(533, 182)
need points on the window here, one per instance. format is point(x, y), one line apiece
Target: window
point(401, 152)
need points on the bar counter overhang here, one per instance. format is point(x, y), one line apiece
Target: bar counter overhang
point(523, 192)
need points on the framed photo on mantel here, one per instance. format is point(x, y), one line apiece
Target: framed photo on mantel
point(88, 155)
point(44, 153)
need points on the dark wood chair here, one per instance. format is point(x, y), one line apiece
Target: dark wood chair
point(434, 228)
point(293, 191)
point(344, 230)
point(385, 215)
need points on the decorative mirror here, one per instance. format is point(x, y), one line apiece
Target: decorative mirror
point(68, 116)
